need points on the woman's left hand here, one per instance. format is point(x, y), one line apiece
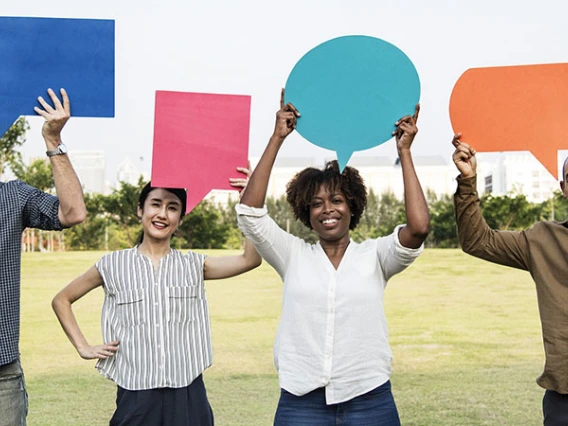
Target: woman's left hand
point(241, 183)
point(406, 129)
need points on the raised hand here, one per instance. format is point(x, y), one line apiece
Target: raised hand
point(406, 130)
point(55, 118)
point(99, 351)
point(285, 118)
point(464, 157)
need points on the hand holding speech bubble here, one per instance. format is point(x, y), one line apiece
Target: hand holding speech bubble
point(199, 141)
point(514, 108)
point(38, 53)
point(350, 91)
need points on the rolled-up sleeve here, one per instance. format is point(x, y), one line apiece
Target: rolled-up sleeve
point(40, 209)
point(272, 242)
point(393, 256)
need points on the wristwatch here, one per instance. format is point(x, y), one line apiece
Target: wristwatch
point(60, 150)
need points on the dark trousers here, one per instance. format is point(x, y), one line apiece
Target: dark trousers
point(375, 408)
point(555, 408)
point(186, 406)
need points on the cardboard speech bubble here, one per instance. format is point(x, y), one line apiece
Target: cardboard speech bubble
point(199, 141)
point(514, 108)
point(350, 91)
point(38, 53)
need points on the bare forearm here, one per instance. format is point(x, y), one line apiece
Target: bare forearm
point(228, 266)
point(416, 208)
point(72, 208)
point(64, 313)
point(255, 193)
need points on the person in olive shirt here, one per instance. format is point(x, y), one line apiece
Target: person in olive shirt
point(541, 250)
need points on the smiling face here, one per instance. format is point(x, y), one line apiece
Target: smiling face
point(330, 215)
point(161, 214)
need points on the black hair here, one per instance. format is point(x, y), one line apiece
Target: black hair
point(301, 189)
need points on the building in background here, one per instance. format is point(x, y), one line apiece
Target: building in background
point(515, 173)
point(128, 173)
point(90, 168)
point(381, 174)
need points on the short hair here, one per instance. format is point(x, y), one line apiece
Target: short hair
point(305, 184)
point(563, 177)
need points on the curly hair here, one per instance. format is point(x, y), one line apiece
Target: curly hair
point(305, 184)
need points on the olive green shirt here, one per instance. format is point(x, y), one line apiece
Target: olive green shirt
point(543, 251)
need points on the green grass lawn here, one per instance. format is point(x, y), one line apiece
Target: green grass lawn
point(465, 337)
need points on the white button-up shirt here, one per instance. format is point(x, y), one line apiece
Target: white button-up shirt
point(333, 331)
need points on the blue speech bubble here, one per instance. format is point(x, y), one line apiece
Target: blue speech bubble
point(350, 91)
point(38, 53)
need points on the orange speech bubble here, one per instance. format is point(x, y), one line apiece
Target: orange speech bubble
point(514, 108)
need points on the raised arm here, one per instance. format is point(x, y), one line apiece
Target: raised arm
point(415, 206)
point(476, 237)
point(286, 116)
point(71, 204)
point(61, 304)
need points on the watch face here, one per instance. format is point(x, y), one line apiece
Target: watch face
point(62, 148)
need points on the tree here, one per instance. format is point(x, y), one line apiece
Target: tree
point(204, 227)
point(556, 208)
point(89, 235)
point(14, 137)
point(38, 174)
point(512, 212)
point(443, 232)
point(121, 207)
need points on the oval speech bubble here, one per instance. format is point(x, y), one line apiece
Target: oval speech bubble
point(350, 91)
point(513, 108)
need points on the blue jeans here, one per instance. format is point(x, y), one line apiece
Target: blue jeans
point(13, 395)
point(375, 408)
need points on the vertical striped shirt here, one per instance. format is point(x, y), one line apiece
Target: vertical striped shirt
point(160, 317)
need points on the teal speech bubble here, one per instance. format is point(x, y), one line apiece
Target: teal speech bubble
point(350, 91)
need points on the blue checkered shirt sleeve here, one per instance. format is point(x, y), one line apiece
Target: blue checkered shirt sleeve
point(21, 206)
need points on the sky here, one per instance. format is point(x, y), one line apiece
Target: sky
point(249, 47)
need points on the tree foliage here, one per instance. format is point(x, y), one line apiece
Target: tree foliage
point(112, 221)
point(14, 137)
point(38, 174)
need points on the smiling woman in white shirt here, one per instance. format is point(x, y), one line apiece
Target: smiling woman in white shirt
point(331, 349)
point(155, 317)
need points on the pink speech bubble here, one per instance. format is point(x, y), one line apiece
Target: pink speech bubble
point(199, 141)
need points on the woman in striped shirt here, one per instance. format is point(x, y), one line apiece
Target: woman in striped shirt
point(155, 317)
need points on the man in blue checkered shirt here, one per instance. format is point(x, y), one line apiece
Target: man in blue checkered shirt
point(22, 206)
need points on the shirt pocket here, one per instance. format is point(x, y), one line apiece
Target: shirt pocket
point(183, 303)
point(130, 307)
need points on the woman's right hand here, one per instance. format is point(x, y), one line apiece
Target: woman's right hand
point(286, 119)
point(99, 351)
